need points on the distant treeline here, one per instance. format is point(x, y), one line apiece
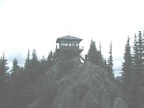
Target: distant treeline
point(132, 79)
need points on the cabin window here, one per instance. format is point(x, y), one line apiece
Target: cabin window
point(66, 43)
point(62, 43)
point(75, 43)
point(70, 44)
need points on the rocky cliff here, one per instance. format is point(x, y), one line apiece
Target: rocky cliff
point(73, 84)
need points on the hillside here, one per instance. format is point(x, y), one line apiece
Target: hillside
point(73, 84)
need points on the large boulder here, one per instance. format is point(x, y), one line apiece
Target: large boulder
point(119, 103)
point(76, 85)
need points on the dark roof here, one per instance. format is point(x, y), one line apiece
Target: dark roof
point(68, 37)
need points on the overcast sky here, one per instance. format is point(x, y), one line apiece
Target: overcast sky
point(35, 24)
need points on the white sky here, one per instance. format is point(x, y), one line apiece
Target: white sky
point(29, 24)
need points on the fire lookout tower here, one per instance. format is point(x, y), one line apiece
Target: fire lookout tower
point(68, 47)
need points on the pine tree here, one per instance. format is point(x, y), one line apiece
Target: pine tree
point(3, 67)
point(3, 77)
point(50, 59)
point(138, 57)
point(137, 98)
point(92, 53)
point(100, 59)
point(43, 64)
point(105, 64)
point(127, 67)
point(27, 62)
point(34, 60)
point(34, 71)
point(110, 61)
point(15, 67)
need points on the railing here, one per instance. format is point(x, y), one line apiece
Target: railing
point(81, 47)
point(70, 47)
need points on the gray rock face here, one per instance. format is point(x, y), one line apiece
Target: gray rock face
point(119, 103)
point(76, 85)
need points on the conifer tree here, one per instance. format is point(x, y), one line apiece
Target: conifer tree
point(105, 64)
point(34, 71)
point(138, 71)
point(34, 60)
point(3, 66)
point(127, 67)
point(100, 58)
point(3, 77)
point(27, 69)
point(92, 53)
point(27, 61)
point(138, 58)
point(110, 60)
point(50, 59)
point(43, 64)
point(15, 67)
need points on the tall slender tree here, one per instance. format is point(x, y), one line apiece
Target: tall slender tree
point(34, 66)
point(100, 59)
point(3, 77)
point(127, 67)
point(34, 60)
point(110, 60)
point(3, 66)
point(27, 61)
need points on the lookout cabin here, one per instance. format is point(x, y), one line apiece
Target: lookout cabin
point(68, 47)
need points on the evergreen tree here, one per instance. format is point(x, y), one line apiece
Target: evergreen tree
point(138, 58)
point(105, 64)
point(3, 80)
point(34, 71)
point(27, 62)
point(34, 60)
point(27, 69)
point(43, 64)
point(50, 59)
point(3, 67)
point(100, 59)
point(138, 71)
point(110, 61)
point(127, 67)
point(15, 67)
point(92, 53)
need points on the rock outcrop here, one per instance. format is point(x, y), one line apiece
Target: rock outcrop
point(119, 103)
point(77, 85)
